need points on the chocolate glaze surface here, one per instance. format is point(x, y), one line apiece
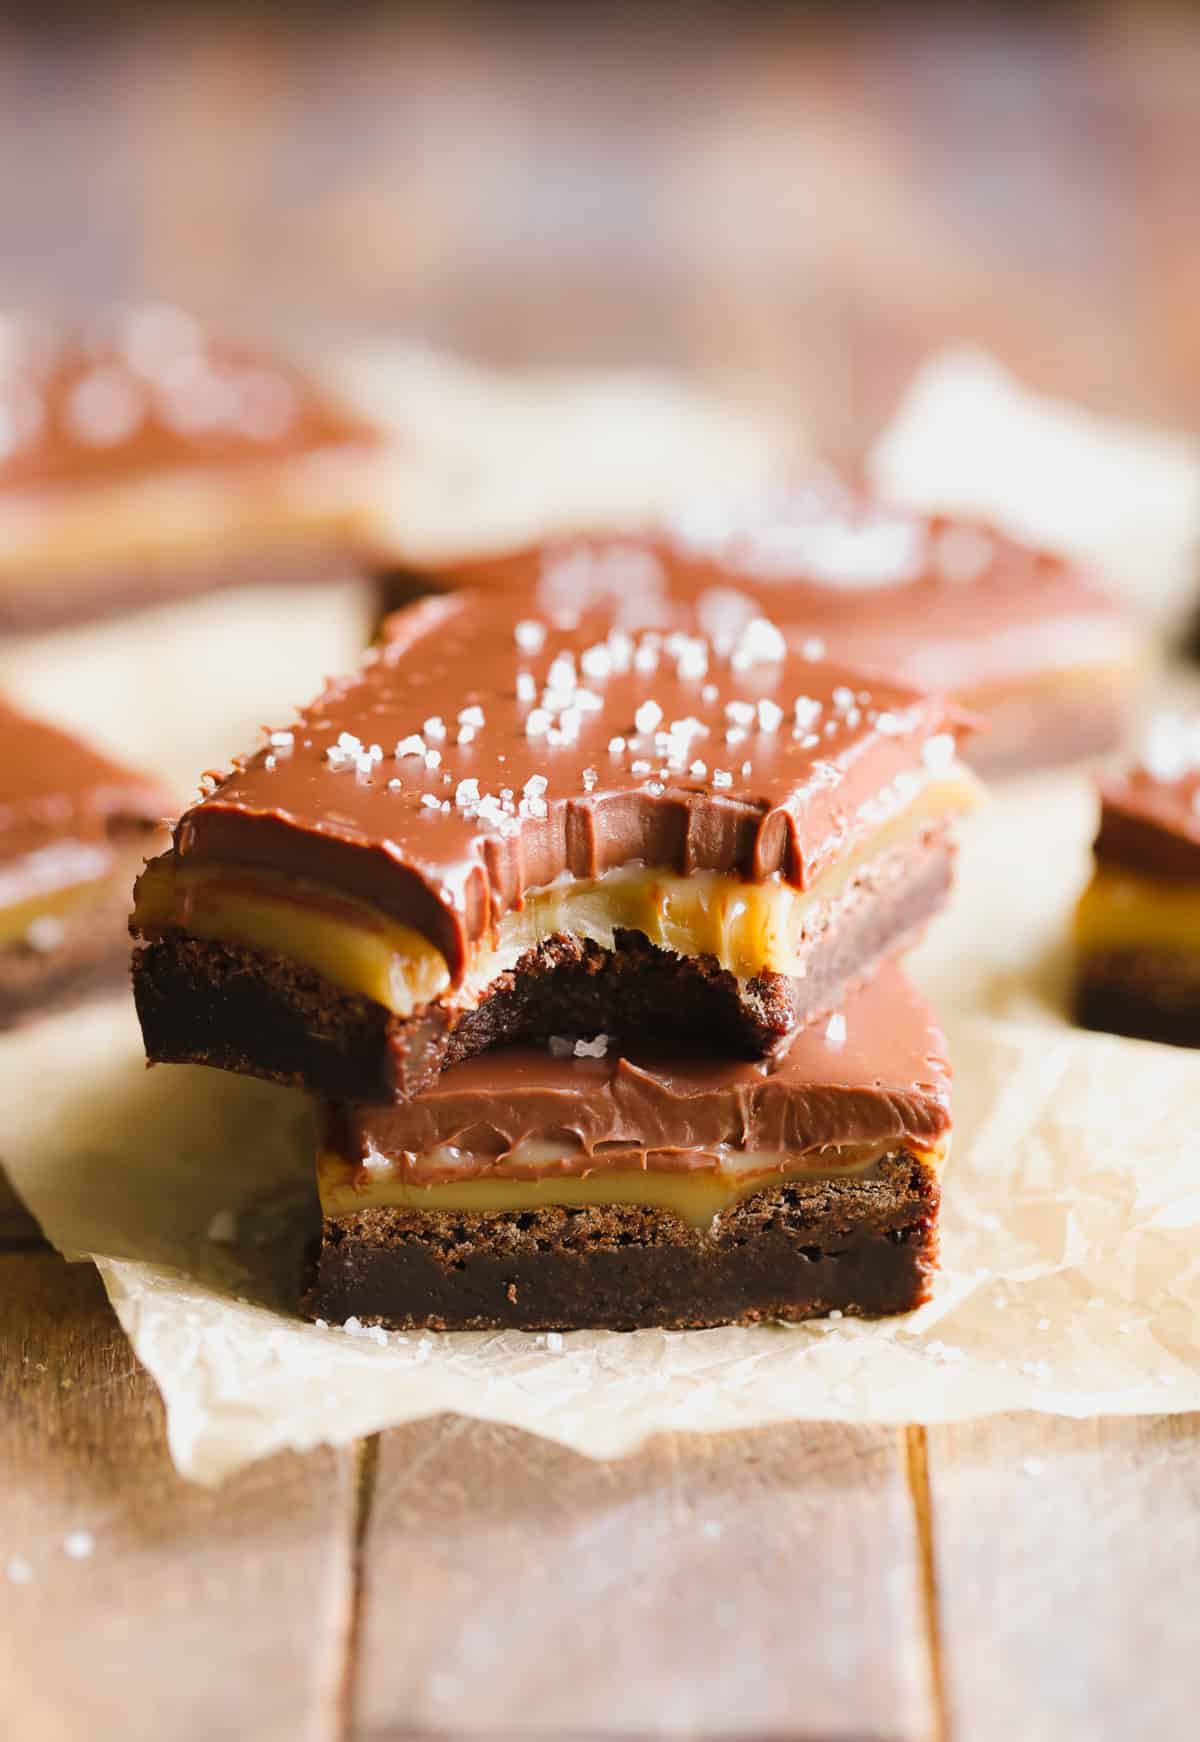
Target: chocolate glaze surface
point(148, 392)
point(1150, 816)
point(880, 1075)
point(940, 603)
point(56, 789)
point(471, 760)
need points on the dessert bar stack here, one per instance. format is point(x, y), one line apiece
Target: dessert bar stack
point(585, 936)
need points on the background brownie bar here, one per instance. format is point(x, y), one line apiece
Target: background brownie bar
point(569, 1189)
point(150, 460)
point(1028, 640)
point(1138, 923)
point(74, 832)
point(441, 812)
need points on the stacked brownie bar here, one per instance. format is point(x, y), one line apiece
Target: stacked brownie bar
point(585, 936)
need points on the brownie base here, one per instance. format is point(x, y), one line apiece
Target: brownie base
point(865, 1246)
point(203, 1002)
point(1145, 994)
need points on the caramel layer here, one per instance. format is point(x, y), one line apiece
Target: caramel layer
point(1125, 910)
point(696, 1193)
point(749, 928)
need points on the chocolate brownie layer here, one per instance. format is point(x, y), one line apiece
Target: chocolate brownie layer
point(864, 1246)
point(203, 1002)
point(1146, 994)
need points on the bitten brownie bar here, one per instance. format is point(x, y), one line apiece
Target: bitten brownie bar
point(148, 460)
point(501, 831)
point(572, 1187)
point(1137, 926)
point(1025, 639)
point(74, 831)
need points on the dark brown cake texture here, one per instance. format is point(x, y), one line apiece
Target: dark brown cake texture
point(1026, 639)
point(1137, 925)
point(75, 829)
point(148, 459)
point(498, 830)
point(575, 1188)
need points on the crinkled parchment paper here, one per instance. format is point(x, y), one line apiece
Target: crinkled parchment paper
point(1071, 1230)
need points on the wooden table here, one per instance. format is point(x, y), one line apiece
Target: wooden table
point(797, 214)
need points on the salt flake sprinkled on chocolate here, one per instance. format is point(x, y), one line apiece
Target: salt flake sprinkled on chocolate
point(590, 777)
point(647, 716)
point(760, 643)
point(889, 724)
point(938, 753)
point(433, 758)
point(616, 746)
point(812, 648)
point(770, 715)
point(104, 408)
point(592, 1049)
point(526, 687)
point(413, 745)
point(698, 770)
point(281, 740)
point(843, 698)
point(740, 713)
point(529, 635)
point(596, 662)
point(429, 800)
point(722, 777)
point(434, 729)
point(806, 711)
point(835, 1030)
point(640, 767)
point(709, 693)
point(537, 723)
point(472, 716)
point(466, 793)
point(560, 1047)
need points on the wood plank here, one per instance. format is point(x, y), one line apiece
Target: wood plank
point(744, 1585)
point(134, 1604)
point(1068, 1577)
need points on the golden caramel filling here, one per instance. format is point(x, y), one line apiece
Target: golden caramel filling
point(74, 533)
point(695, 1194)
point(750, 928)
point(1127, 910)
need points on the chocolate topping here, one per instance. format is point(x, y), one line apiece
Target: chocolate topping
point(1150, 817)
point(877, 1075)
point(471, 760)
point(942, 604)
point(54, 788)
point(152, 392)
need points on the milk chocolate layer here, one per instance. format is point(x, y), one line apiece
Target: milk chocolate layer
point(875, 1074)
point(468, 764)
point(942, 604)
point(74, 830)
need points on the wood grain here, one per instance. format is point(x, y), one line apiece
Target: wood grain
point(1068, 1577)
point(739, 1585)
point(195, 1614)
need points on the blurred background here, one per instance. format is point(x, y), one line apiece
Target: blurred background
point(793, 204)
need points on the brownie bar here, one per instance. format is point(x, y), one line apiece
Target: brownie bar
point(375, 865)
point(1028, 640)
point(579, 1185)
point(75, 828)
point(797, 1251)
point(149, 459)
point(1137, 924)
point(203, 1002)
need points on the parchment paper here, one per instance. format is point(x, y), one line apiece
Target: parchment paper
point(1071, 1229)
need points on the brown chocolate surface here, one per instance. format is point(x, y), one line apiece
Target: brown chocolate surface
point(1147, 994)
point(57, 791)
point(860, 1246)
point(876, 1073)
point(149, 392)
point(1150, 816)
point(716, 751)
point(942, 604)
